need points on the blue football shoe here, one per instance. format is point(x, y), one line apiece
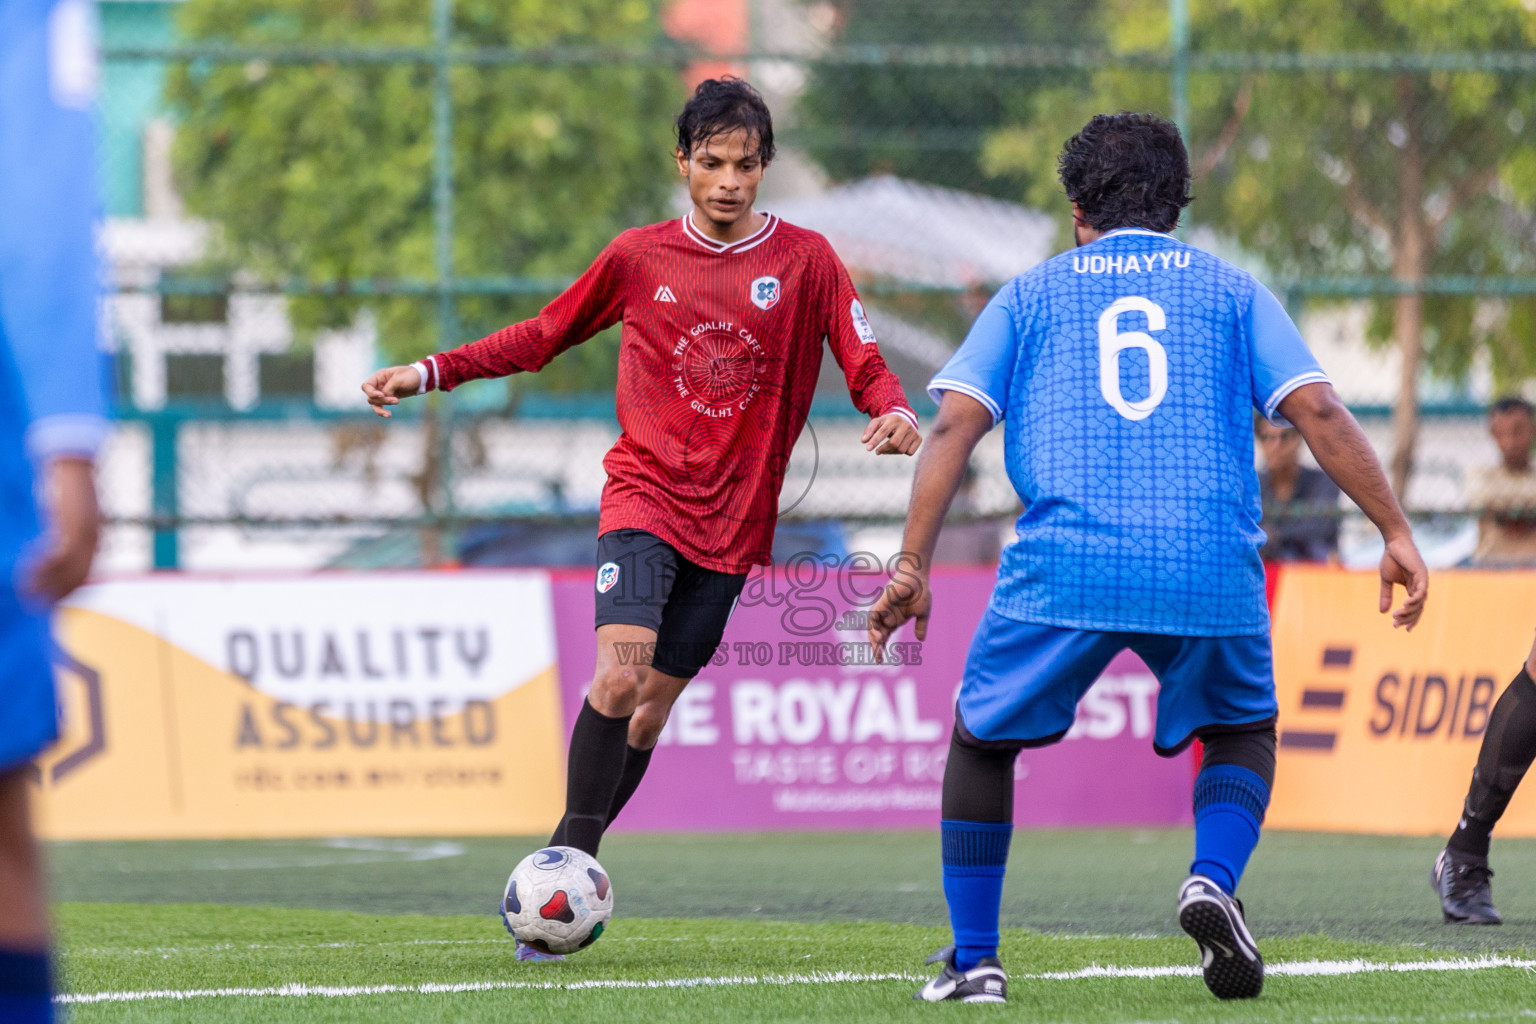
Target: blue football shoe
point(526, 953)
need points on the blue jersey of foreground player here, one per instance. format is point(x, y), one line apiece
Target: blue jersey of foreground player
point(1126, 372)
point(48, 288)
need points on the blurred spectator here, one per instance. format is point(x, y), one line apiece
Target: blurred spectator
point(973, 542)
point(1300, 504)
point(1504, 496)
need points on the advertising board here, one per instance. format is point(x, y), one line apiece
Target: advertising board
point(380, 704)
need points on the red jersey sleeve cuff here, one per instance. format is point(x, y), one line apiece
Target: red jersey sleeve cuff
point(910, 416)
point(431, 379)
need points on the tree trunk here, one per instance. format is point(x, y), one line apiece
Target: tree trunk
point(1410, 245)
point(428, 483)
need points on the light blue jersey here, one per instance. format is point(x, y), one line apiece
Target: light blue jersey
point(48, 267)
point(49, 360)
point(1126, 372)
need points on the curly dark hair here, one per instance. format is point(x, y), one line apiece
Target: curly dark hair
point(1512, 403)
point(720, 106)
point(1127, 170)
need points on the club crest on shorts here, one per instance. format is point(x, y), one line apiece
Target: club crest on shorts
point(765, 292)
point(607, 577)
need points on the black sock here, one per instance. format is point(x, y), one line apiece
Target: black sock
point(1472, 836)
point(978, 782)
point(1509, 747)
point(594, 769)
point(635, 764)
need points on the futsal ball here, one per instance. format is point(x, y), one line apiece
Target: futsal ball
point(558, 900)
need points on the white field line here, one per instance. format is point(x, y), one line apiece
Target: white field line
point(235, 947)
point(238, 947)
point(349, 852)
point(1296, 968)
point(1293, 968)
point(339, 991)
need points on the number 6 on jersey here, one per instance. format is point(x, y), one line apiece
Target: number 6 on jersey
point(1112, 341)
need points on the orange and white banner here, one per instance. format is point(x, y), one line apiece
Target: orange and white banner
point(1379, 728)
point(385, 704)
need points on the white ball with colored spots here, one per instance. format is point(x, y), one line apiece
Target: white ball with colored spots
point(557, 900)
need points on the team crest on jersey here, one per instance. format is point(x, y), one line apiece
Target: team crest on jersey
point(607, 577)
point(765, 292)
point(861, 326)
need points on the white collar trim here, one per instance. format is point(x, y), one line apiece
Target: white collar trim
point(756, 238)
point(1136, 231)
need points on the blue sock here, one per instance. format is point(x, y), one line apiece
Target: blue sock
point(1229, 808)
point(26, 988)
point(975, 857)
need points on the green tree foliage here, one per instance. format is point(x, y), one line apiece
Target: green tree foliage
point(927, 122)
point(325, 171)
point(1361, 172)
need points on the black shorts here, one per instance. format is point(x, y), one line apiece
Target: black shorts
point(643, 581)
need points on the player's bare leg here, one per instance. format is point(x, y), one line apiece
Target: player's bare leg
point(657, 696)
point(23, 911)
point(23, 914)
point(1461, 876)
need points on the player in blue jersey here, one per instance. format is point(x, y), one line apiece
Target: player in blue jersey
point(1125, 373)
point(55, 422)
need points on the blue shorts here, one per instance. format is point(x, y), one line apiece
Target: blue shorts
point(1023, 681)
point(29, 718)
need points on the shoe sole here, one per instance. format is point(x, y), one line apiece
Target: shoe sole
point(978, 997)
point(1231, 975)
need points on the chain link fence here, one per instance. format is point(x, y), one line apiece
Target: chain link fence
point(298, 193)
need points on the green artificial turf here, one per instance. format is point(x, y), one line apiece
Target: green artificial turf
point(723, 969)
point(1096, 881)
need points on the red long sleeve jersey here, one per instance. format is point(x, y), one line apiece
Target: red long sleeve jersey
point(720, 351)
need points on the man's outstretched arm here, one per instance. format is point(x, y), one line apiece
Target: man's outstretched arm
point(941, 466)
point(1346, 456)
point(593, 303)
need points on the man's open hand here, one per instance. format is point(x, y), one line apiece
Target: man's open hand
point(891, 434)
point(389, 385)
point(1401, 564)
point(905, 597)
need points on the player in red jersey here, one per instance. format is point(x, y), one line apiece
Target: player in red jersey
point(724, 313)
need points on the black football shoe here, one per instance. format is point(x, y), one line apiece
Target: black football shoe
point(1230, 958)
point(984, 983)
point(1464, 883)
